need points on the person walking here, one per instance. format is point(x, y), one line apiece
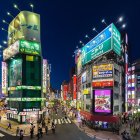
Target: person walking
point(9, 125)
point(31, 132)
point(0, 118)
point(21, 134)
point(46, 129)
point(17, 131)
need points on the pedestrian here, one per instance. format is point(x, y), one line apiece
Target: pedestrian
point(31, 132)
point(9, 125)
point(46, 129)
point(38, 135)
point(53, 129)
point(0, 118)
point(21, 134)
point(17, 131)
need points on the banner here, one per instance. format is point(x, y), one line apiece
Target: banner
point(4, 78)
point(26, 25)
point(74, 87)
point(103, 83)
point(44, 76)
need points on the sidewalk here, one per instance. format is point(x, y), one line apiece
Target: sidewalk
point(102, 135)
point(24, 127)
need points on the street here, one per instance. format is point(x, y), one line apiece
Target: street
point(65, 129)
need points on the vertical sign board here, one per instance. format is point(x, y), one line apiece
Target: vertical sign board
point(74, 86)
point(4, 78)
point(44, 75)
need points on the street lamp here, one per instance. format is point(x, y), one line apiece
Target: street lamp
point(32, 6)
point(9, 14)
point(120, 19)
point(4, 42)
point(16, 7)
point(94, 29)
point(103, 21)
point(4, 29)
point(81, 43)
point(86, 36)
point(123, 26)
point(5, 22)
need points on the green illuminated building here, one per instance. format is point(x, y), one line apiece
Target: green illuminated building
point(25, 69)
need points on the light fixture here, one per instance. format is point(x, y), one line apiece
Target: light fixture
point(16, 7)
point(4, 42)
point(94, 29)
point(123, 26)
point(9, 14)
point(32, 6)
point(103, 21)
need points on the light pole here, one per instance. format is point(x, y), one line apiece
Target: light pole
point(94, 29)
point(120, 19)
point(124, 26)
point(32, 6)
point(16, 7)
point(9, 14)
point(103, 21)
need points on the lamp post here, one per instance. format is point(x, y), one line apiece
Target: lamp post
point(32, 6)
point(103, 21)
point(94, 29)
point(9, 14)
point(16, 7)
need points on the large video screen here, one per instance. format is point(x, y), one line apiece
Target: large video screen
point(102, 101)
point(15, 72)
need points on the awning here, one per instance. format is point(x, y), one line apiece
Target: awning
point(103, 118)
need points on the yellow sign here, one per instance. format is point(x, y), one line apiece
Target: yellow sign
point(86, 91)
point(103, 70)
point(26, 25)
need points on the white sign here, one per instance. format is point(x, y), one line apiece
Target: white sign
point(4, 77)
point(44, 75)
point(11, 50)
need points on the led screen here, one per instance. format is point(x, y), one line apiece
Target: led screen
point(15, 72)
point(102, 101)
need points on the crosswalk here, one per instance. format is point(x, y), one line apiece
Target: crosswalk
point(1, 135)
point(62, 121)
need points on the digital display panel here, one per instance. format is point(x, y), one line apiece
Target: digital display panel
point(15, 72)
point(102, 101)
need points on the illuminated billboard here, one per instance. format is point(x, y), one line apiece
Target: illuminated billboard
point(44, 76)
point(4, 78)
point(79, 65)
point(109, 39)
point(25, 25)
point(24, 87)
point(103, 83)
point(74, 87)
point(15, 72)
point(103, 70)
point(22, 46)
point(102, 101)
point(11, 50)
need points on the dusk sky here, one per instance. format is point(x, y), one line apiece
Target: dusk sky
point(65, 22)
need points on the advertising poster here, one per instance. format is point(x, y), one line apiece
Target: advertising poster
point(15, 72)
point(4, 78)
point(79, 65)
point(44, 76)
point(29, 47)
point(25, 25)
point(104, 70)
point(11, 50)
point(102, 101)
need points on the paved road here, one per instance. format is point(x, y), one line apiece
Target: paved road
point(65, 130)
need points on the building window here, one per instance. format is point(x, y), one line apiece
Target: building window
point(88, 96)
point(116, 72)
point(116, 108)
point(116, 84)
point(116, 96)
point(87, 107)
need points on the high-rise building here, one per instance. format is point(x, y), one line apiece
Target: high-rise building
point(23, 77)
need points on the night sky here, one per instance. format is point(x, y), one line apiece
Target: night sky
point(65, 22)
